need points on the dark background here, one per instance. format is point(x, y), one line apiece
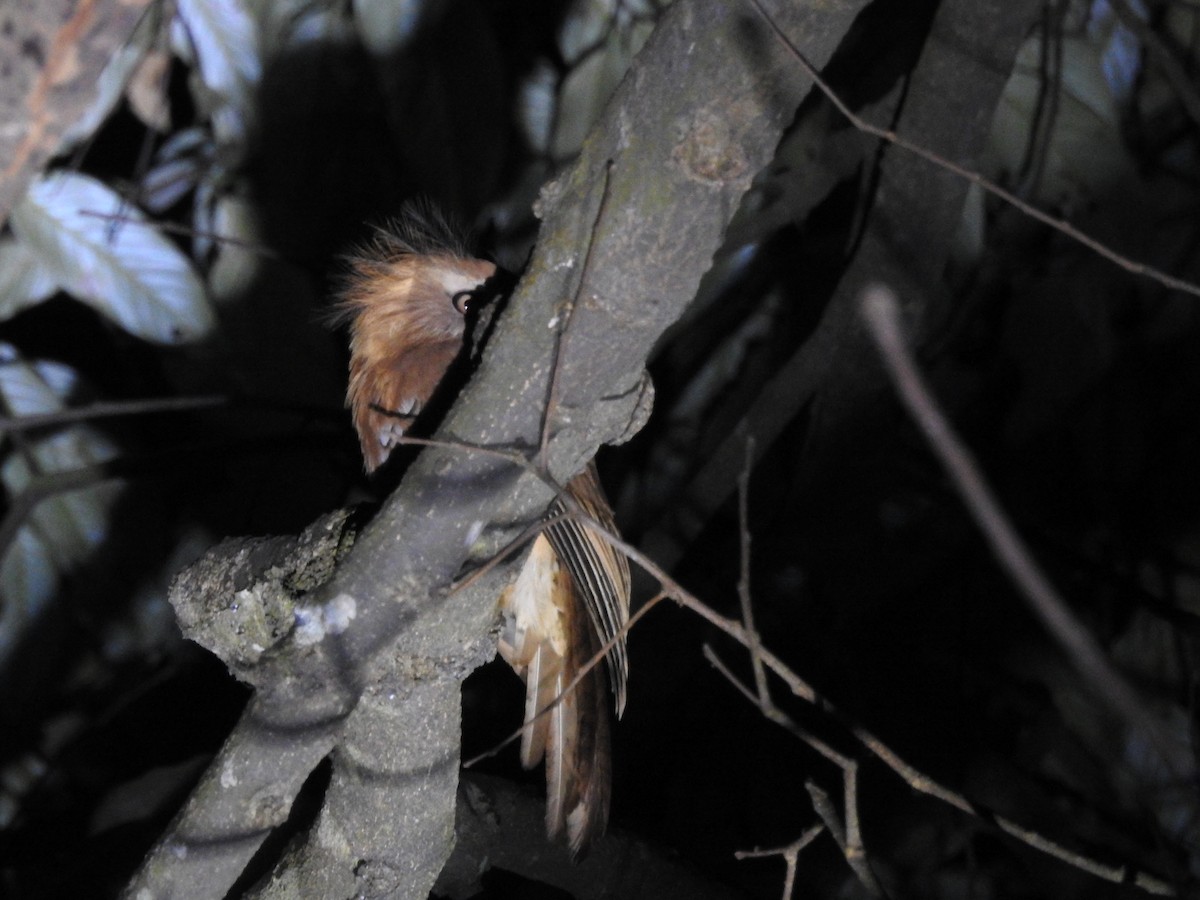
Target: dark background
point(1076, 385)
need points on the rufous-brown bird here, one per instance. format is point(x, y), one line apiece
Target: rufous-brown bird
point(406, 299)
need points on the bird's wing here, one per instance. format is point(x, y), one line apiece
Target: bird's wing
point(547, 638)
point(599, 569)
point(385, 397)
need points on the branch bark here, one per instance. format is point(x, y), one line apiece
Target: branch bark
point(947, 105)
point(54, 53)
point(376, 669)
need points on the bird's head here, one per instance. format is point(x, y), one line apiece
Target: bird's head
point(406, 299)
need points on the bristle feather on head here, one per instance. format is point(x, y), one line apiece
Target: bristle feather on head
point(424, 230)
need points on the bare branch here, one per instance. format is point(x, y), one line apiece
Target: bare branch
point(790, 854)
point(1116, 874)
point(883, 317)
point(699, 143)
point(760, 676)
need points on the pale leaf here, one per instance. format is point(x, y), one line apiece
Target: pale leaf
point(223, 37)
point(63, 528)
point(24, 281)
point(104, 252)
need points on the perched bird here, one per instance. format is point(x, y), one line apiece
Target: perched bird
point(406, 300)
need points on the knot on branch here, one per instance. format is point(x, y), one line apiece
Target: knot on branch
point(635, 406)
point(709, 150)
point(239, 600)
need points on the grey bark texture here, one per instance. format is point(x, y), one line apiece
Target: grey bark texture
point(628, 232)
point(948, 106)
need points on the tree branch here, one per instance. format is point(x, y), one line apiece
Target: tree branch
point(694, 121)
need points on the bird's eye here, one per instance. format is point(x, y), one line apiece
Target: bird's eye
point(462, 301)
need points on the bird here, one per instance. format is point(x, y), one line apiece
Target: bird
point(406, 298)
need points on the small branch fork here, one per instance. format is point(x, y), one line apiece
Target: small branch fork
point(844, 827)
point(790, 854)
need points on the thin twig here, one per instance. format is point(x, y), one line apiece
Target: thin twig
point(184, 230)
point(567, 315)
point(881, 312)
point(669, 585)
point(850, 845)
point(595, 660)
point(45, 486)
point(1045, 115)
point(774, 714)
point(743, 588)
point(800, 688)
point(828, 814)
point(790, 854)
point(1116, 874)
point(505, 552)
point(1059, 225)
point(847, 836)
point(109, 409)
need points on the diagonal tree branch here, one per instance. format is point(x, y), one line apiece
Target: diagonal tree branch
point(696, 118)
